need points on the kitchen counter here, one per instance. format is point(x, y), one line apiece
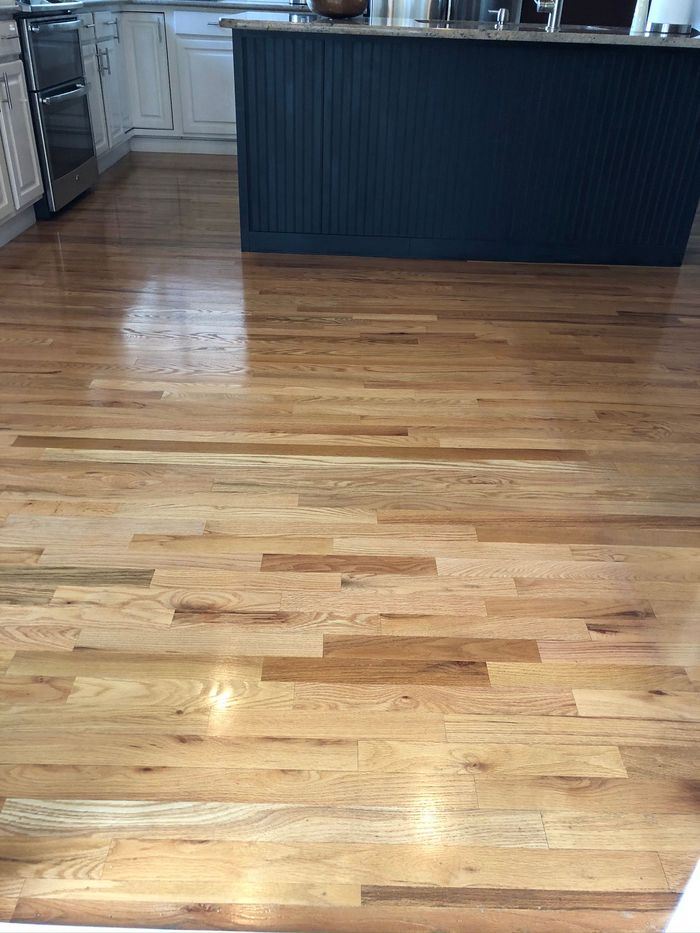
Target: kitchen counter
point(437, 29)
point(381, 138)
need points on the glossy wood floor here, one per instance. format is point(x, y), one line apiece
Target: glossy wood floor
point(341, 594)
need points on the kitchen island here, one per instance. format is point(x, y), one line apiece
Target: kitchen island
point(417, 139)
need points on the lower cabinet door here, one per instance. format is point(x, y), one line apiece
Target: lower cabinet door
point(7, 206)
point(111, 63)
point(95, 101)
point(17, 132)
point(147, 72)
point(205, 69)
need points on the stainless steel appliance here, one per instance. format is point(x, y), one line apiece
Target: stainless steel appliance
point(48, 6)
point(486, 11)
point(58, 93)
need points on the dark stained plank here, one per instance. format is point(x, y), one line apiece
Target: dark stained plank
point(425, 648)
point(375, 671)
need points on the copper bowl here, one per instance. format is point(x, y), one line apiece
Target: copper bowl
point(337, 9)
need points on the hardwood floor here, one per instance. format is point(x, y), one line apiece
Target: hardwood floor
point(341, 594)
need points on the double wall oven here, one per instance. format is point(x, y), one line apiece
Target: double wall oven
point(54, 65)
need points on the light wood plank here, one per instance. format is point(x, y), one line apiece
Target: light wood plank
point(648, 831)
point(178, 751)
point(215, 783)
point(591, 795)
point(650, 704)
point(482, 758)
point(451, 866)
point(272, 822)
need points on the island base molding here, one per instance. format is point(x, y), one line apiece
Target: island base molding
point(463, 149)
point(426, 248)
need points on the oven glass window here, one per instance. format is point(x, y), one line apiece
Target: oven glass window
point(55, 51)
point(68, 133)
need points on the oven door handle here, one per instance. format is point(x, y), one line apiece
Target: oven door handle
point(62, 26)
point(79, 91)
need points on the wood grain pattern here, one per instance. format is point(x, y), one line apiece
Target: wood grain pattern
point(341, 595)
point(452, 866)
point(276, 823)
point(480, 758)
point(370, 918)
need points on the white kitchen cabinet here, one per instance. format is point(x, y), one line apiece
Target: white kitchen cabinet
point(111, 66)
point(147, 73)
point(7, 205)
point(205, 72)
point(95, 101)
point(17, 135)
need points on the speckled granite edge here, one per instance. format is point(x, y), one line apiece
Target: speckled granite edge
point(482, 32)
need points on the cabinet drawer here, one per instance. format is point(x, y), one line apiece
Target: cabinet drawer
point(87, 29)
point(196, 23)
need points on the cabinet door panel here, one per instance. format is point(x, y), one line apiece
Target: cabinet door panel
point(147, 70)
point(7, 206)
point(111, 65)
point(95, 101)
point(18, 139)
point(204, 64)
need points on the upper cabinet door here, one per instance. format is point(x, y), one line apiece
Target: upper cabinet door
point(17, 135)
point(7, 205)
point(146, 57)
point(204, 64)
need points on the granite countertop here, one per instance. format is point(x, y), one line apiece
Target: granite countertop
point(264, 6)
point(377, 26)
point(7, 12)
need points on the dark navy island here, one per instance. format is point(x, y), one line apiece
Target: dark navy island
point(418, 139)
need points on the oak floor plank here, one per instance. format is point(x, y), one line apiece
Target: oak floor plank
point(648, 831)
point(132, 665)
point(215, 783)
point(375, 671)
point(369, 647)
point(9, 895)
point(370, 918)
point(677, 866)
point(573, 730)
point(483, 758)
point(207, 640)
point(38, 636)
point(181, 892)
point(178, 750)
point(599, 653)
point(40, 857)
point(662, 761)
point(431, 698)
point(406, 724)
point(22, 690)
point(271, 822)
point(279, 622)
point(451, 866)
point(598, 796)
point(90, 695)
point(520, 900)
point(583, 675)
point(473, 624)
point(661, 705)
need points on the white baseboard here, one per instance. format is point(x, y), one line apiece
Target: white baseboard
point(108, 159)
point(16, 225)
point(180, 144)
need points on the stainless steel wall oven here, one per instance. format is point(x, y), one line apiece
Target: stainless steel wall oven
point(54, 67)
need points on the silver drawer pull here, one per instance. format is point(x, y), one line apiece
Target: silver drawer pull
point(8, 99)
point(79, 91)
point(66, 26)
